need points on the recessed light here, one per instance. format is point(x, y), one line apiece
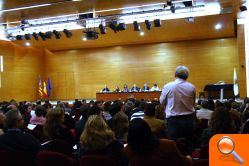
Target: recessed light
point(84, 39)
point(27, 44)
point(141, 33)
point(218, 26)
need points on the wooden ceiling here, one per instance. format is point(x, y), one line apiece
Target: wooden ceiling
point(171, 30)
point(74, 7)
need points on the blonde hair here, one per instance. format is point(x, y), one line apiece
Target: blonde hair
point(96, 135)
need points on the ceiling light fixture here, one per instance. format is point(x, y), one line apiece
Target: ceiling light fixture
point(27, 44)
point(136, 26)
point(68, 33)
point(141, 33)
point(148, 24)
point(218, 26)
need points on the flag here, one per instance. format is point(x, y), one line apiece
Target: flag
point(45, 93)
point(235, 83)
point(49, 87)
point(40, 88)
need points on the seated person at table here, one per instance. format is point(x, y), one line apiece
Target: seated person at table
point(116, 89)
point(125, 89)
point(134, 88)
point(105, 89)
point(155, 88)
point(145, 88)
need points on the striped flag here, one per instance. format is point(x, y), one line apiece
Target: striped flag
point(40, 88)
point(235, 83)
point(45, 93)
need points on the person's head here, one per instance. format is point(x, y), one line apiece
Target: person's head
point(221, 121)
point(54, 119)
point(155, 85)
point(204, 104)
point(134, 85)
point(142, 105)
point(149, 109)
point(140, 137)
point(182, 72)
point(55, 115)
point(115, 107)
point(46, 101)
point(105, 86)
point(13, 119)
point(39, 111)
point(160, 112)
point(120, 124)
point(107, 106)
point(145, 85)
point(94, 110)
point(125, 86)
point(96, 135)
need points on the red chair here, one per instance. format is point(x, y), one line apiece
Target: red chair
point(201, 162)
point(97, 160)
point(47, 158)
point(59, 146)
point(8, 158)
point(149, 162)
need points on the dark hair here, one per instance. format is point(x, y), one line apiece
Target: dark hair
point(150, 109)
point(221, 121)
point(182, 72)
point(115, 107)
point(140, 137)
point(204, 104)
point(94, 110)
point(39, 111)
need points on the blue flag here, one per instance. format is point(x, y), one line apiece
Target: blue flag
point(49, 87)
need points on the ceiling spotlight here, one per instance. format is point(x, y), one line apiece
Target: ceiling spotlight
point(35, 35)
point(169, 3)
point(172, 9)
point(91, 35)
point(84, 38)
point(19, 37)
point(148, 24)
point(42, 35)
point(57, 34)
point(136, 26)
point(188, 3)
point(141, 33)
point(243, 8)
point(48, 34)
point(157, 23)
point(121, 26)
point(28, 36)
point(67, 33)
point(102, 29)
point(27, 44)
point(218, 26)
point(113, 25)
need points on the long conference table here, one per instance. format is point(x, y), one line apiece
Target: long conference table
point(111, 96)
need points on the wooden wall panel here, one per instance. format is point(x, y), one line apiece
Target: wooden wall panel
point(22, 66)
point(241, 58)
point(81, 73)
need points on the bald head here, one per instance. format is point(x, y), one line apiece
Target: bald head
point(182, 72)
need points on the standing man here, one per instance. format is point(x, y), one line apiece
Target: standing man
point(179, 99)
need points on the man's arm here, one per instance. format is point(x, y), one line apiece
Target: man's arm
point(163, 97)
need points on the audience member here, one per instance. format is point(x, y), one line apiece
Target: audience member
point(120, 125)
point(143, 144)
point(179, 98)
point(140, 111)
point(157, 126)
point(204, 112)
point(14, 139)
point(160, 112)
point(97, 138)
point(54, 127)
point(38, 118)
point(221, 123)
